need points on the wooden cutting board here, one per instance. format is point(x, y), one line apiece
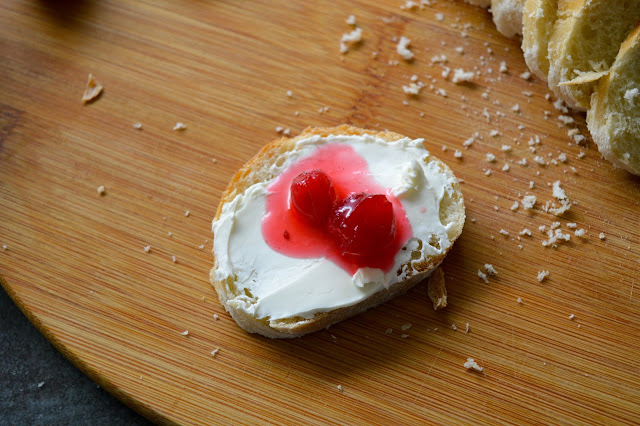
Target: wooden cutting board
point(74, 261)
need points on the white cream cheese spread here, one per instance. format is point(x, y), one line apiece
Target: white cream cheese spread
point(275, 286)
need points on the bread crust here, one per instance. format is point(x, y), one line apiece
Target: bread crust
point(257, 170)
point(598, 114)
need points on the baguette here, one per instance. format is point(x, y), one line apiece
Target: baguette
point(538, 19)
point(507, 15)
point(585, 40)
point(614, 116)
point(243, 284)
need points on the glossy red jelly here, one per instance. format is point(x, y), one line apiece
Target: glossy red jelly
point(328, 205)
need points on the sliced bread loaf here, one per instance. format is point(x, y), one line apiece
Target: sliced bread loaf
point(614, 117)
point(585, 40)
point(538, 19)
point(507, 15)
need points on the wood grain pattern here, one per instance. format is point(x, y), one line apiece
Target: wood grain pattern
point(76, 266)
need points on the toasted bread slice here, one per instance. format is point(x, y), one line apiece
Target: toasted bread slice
point(585, 40)
point(237, 275)
point(614, 117)
point(507, 15)
point(538, 19)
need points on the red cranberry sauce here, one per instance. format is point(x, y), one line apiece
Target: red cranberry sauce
point(287, 231)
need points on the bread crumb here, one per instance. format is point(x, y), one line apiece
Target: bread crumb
point(350, 38)
point(404, 336)
point(137, 126)
point(515, 206)
point(472, 365)
point(572, 316)
point(542, 275)
point(403, 48)
point(215, 351)
point(503, 67)
point(515, 108)
point(528, 201)
point(185, 333)
point(602, 236)
point(339, 387)
point(147, 249)
point(519, 300)
point(187, 213)
point(388, 331)
point(504, 232)
point(101, 190)
point(453, 326)
point(526, 232)
point(505, 168)
point(483, 276)
point(580, 232)
point(216, 317)
point(559, 193)
point(413, 88)
point(4, 247)
point(457, 154)
point(437, 290)
point(461, 76)
point(490, 269)
point(179, 126)
point(525, 75)
point(41, 384)
point(406, 326)
point(351, 20)
point(92, 90)
point(174, 259)
point(506, 148)
point(490, 157)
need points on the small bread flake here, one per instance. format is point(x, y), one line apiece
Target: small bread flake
point(504, 232)
point(490, 269)
point(4, 247)
point(178, 127)
point(506, 148)
point(515, 206)
point(462, 76)
point(457, 154)
point(174, 259)
point(572, 316)
point(350, 39)
point(515, 108)
point(467, 327)
point(351, 20)
point(472, 365)
point(216, 317)
point(406, 326)
point(453, 327)
point(185, 333)
point(580, 232)
point(92, 90)
point(503, 67)
point(339, 387)
point(602, 236)
point(101, 190)
point(542, 275)
point(525, 75)
point(436, 289)
point(505, 168)
point(440, 17)
point(403, 48)
point(483, 276)
point(215, 351)
point(147, 249)
point(413, 88)
point(490, 157)
point(388, 331)
point(526, 232)
point(187, 213)
point(519, 300)
point(528, 201)
point(137, 126)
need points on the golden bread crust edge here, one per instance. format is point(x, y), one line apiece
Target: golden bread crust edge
point(254, 171)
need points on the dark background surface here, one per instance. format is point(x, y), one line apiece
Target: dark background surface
point(39, 386)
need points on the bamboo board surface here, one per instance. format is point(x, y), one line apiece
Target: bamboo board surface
point(75, 261)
